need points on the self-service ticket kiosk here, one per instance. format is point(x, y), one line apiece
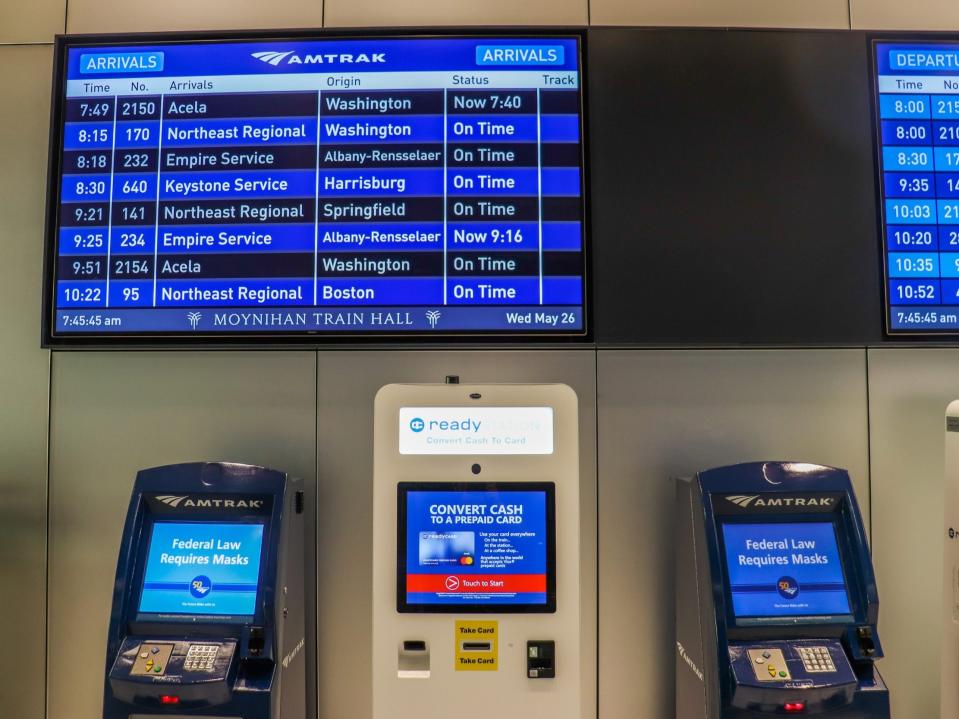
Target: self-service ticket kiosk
point(776, 602)
point(476, 599)
point(208, 601)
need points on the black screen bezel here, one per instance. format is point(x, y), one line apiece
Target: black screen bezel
point(790, 619)
point(404, 488)
point(52, 339)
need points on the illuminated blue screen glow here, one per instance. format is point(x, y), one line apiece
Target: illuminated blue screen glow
point(202, 568)
point(917, 87)
point(339, 186)
point(784, 570)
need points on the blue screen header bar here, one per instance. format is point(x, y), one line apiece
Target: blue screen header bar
point(917, 59)
point(177, 59)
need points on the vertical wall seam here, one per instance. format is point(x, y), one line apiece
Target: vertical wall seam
point(869, 449)
point(596, 508)
point(315, 537)
point(46, 550)
point(849, 18)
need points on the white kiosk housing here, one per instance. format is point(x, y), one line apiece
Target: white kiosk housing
point(949, 665)
point(476, 552)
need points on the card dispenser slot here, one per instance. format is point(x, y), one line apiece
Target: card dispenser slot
point(477, 646)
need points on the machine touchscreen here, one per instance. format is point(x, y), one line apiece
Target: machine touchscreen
point(202, 568)
point(784, 570)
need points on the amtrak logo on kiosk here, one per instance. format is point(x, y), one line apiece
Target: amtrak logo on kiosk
point(788, 588)
point(200, 587)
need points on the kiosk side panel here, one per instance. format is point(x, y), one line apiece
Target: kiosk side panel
point(291, 607)
point(690, 660)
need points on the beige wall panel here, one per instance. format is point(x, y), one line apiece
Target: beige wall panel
point(898, 15)
point(347, 384)
point(664, 414)
point(36, 21)
point(376, 13)
point(146, 15)
point(24, 370)
point(115, 413)
point(731, 13)
point(909, 390)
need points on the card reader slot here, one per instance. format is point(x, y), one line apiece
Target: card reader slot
point(477, 646)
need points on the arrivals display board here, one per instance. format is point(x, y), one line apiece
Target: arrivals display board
point(312, 186)
point(917, 111)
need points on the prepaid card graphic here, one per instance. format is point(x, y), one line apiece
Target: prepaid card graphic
point(785, 570)
point(202, 568)
point(482, 547)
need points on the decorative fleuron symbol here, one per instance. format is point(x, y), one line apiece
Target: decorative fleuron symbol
point(433, 316)
point(194, 318)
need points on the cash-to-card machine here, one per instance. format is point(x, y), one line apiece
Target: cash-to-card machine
point(776, 601)
point(476, 596)
point(208, 601)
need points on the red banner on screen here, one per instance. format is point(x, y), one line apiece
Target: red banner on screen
point(476, 583)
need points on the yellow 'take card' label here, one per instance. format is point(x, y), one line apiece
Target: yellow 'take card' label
point(477, 645)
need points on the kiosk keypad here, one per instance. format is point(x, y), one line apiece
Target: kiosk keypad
point(152, 658)
point(769, 665)
point(200, 657)
point(816, 660)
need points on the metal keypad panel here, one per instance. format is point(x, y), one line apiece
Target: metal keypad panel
point(769, 664)
point(200, 657)
point(816, 660)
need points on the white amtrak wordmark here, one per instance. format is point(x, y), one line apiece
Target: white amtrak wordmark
point(741, 500)
point(289, 57)
point(689, 662)
point(209, 503)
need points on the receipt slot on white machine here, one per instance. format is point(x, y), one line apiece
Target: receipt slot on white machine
point(949, 664)
point(476, 556)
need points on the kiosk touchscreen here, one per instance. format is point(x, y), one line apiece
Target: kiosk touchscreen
point(208, 601)
point(776, 601)
point(476, 605)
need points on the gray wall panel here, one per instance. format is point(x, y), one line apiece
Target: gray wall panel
point(347, 384)
point(909, 390)
point(670, 413)
point(115, 413)
point(723, 13)
point(24, 371)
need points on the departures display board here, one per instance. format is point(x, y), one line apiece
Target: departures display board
point(309, 187)
point(917, 108)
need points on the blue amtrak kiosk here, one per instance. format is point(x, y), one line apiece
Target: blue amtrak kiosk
point(776, 601)
point(209, 596)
